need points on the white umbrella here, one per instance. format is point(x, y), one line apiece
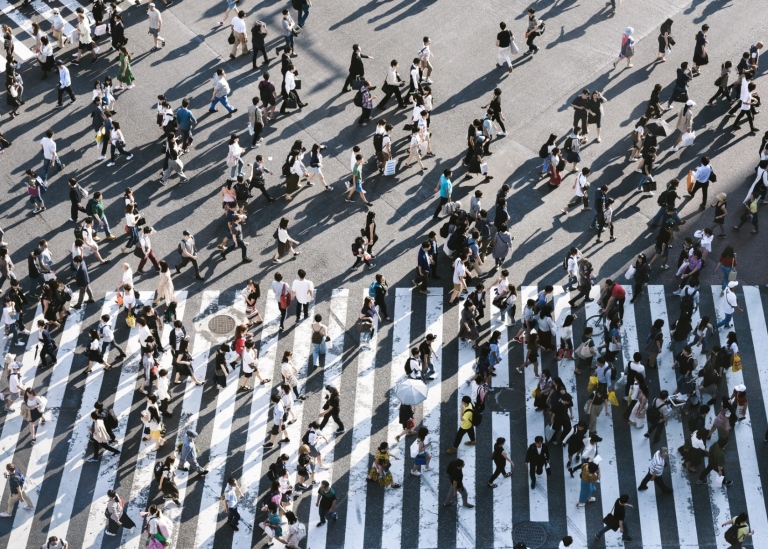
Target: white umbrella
point(411, 391)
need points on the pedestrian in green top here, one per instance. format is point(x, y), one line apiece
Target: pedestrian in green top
point(357, 181)
point(125, 75)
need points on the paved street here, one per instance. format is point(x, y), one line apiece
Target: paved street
point(581, 41)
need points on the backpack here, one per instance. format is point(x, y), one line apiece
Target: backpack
point(358, 100)
point(614, 373)
point(543, 151)
point(271, 474)
point(355, 249)
point(654, 415)
point(305, 438)
point(67, 293)
point(568, 144)
point(296, 4)
point(286, 169)
point(111, 419)
point(372, 288)
point(79, 232)
point(21, 478)
point(89, 207)
point(241, 191)
point(285, 297)
point(159, 466)
point(445, 230)
point(301, 532)
point(378, 142)
point(565, 261)
point(451, 468)
point(477, 418)
point(686, 304)
point(732, 534)
point(408, 369)
point(662, 200)
point(180, 249)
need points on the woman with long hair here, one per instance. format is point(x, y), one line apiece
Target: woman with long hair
point(125, 74)
point(251, 294)
point(316, 166)
point(183, 363)
point(164, 285)
point(234, 160)
point(284, 241)
point(117, 141)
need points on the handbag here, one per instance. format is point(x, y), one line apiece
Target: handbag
point(612, 398)
point(389, 167)
point(231, 38)
point(690, 181)
point(484, 168)
point(582, 351)
point(649, 185)
point(732, 275)
point(688, 139)
point(630, 274)
point(130, 320)
point(593, 383)
point(513, 48)
point(448, 208)
point(297, 84)
point(611, 522)
point(410, 424)
point(100, 30)
point(736, 363)
point(119, 299)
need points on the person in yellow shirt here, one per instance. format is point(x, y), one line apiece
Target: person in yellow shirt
point(467, 414)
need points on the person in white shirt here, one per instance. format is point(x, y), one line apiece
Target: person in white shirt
point(10, 317)
point(163, 391)
point(57, 28)
point(238, 29)
point(581, 194)
point(425, 54)
point(45, 56)
point(50, 156)
point(14, 385)
point(155, 25)
point(415, 80)
point(250, 365)
point(231, 493)
point(107, 339)
point(459, 272)
point(290, 89)
point(702, 177)
point(85, 42)
point(748, 103)
point(304, 292)
point(392, 87)
point(729, 305)
point(65, 83)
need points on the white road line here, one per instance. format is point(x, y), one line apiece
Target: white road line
point(57, 385)
point(502, 495)
point(576, 519)
point(466, 519)
point(190, 412)
point(392, 519)
point(429, 500)
point(12, 424)
point(534, 423)
point(79, 439)
point(647, 509)
point(336, 322)
point(138, 498)
point(21, 20)
point(675, 437)
point(609, 476)
point(360, 459)
point(257, 427)
point(106, 469)
point(742, 432)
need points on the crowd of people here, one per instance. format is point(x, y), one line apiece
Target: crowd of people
point(469, 243)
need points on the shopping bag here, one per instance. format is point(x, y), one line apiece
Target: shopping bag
point(513, 47)
point(612, 398)
point(483, 168)
point(389, 167)
point(549, 432)
point(630, 274)
point(687, 139)
point(690, 181)
point(736, 363)
point(593, 383)
point(250, 129)
point(100, 30)
point(535, 391)
point(448, 208)
point(719, 481)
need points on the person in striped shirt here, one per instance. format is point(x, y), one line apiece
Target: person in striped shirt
point(656, 470)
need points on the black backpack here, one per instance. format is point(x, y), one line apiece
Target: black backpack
point(686, 304)
point(305, 438)
point(662, 200)
point(286, 169)
point(569, 144)
point(180, 249)
point(445, 230)
point(477, 418)
point(79, 232)
point(159, 466)
point(543, 151)
point(378, 142)
point(89, 207)
point(565, 261)
point(241, 191)
point(654, 415)
point(111, 419)
point(408, 368)
point(451, 468)
point(732, 534)
point(358, 100)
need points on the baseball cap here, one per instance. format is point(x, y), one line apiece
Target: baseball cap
point(733, 283)
point(690, 103)
point(191, 434)
point(186, 233)
point(9, 358)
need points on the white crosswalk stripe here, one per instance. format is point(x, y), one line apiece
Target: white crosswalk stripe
point(376, 362)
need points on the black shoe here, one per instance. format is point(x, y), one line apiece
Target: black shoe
point(641, 488)
point(533, 485)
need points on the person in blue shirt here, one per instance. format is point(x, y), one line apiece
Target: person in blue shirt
point(423, 268)
point(186, 121)
point(446, 188)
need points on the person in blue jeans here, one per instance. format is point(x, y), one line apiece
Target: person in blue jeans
point(220, 91)
point(726, 263)
point(237, 239)
point(668, 209)
point(304, 11)
point(729, 305)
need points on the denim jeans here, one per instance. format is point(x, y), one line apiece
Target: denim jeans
point(47, 165)
point(289, 40)
point(3, 278)
point(236, 169)
point(303, 14)
point(104, 227)
point(13, 330)
point(223, 101)
point(726, 271)
point(133, 237)
point(317, 350)
point(726, 321)
point(701, 339)
point(571, 281)
point(661, 216)
point(35, 284)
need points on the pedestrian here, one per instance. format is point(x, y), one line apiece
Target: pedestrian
point(722, 83)
point(319, 340)
point(220, 92)
point(290, 87)
point(421, 452)
point(326, 502)
point(594, 109)
point(665, 40)
point(188, 251)
point(238, 31)
point(331, 410)
point(116, 515)
point(467, 425)
point(749, 101)
point(392, 84)
point(537, 459)
point(100, 438)
point(367, 103)
point(616, 519)
point(700, 56)
point(117, 141)
point(56, 543)
point(85, 42)
point(357, 182)
point(230, 496)
point(50, 156)
point(288, 30)
point(500, 459)
point(268, 96)
point(356, 70)
point(155, 26)
point(656, 470)
point(504, 40)
point(16, 481)
point(57, 28)
point(627, 47)
point(590, 474)
point(730, 304)
point(738, 532)
point(535, 28)
point(684, 125)
point(188, 453)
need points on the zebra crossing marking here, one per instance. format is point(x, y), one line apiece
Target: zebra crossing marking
point(466, 527)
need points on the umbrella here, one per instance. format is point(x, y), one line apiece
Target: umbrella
point(411, 391)
point(658, 128)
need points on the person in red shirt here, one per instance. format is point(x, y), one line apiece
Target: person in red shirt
point(614, 294)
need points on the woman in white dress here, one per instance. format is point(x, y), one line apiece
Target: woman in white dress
point(164, 285)
point(637, 417)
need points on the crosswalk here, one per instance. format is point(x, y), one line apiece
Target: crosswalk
point(70, 494)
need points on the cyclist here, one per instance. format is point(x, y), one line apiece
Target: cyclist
point(613, 294)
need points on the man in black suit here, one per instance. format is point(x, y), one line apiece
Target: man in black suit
point(83, 281)
point(48, 345)
point(537, 457)
point(356, 68)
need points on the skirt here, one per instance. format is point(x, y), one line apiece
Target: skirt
point(183, 370)
point(545, 339)
point(292, 182)
point(34, 415)
point(282, 248)
point(251, 312)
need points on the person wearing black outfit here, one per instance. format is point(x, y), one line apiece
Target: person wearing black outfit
point(616, 520)
point(642, 276)
point(580, 111)
point(667, 206)
point(258, 37)
point(117, 30)
point(575, 441)
point(503, 44)
point(495, 105)
point(456, 477)
point(356, 68)
point(537, 457)
point(75, 200)
point(500, 459)
point(331, 410)
point(83, 281)
point(33, 268)
point(423, 267)
point(48, 345)
point(561, 415)
point(475, 129)
point(681, 84)
point(256, 177)
point(237, 239)
point(585, 282)
point(535, 28)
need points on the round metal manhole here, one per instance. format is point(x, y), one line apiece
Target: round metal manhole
point(531, 534)
point(222, 324)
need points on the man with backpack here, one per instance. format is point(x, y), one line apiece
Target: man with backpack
point(456, 476)
point(16, 481)
point(468, 422)
point(657, 414)
point(667, 206)
point(107, 338)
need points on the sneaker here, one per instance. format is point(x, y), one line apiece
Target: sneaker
point(674, 149)
point(728, 482)
point(92, 459)
point(4, 514)
point(676, 292)
point(109, 165)
point(101, 157)
point(129, 157)
point(28, 508)
point(501, 134)
point(340, 431)
point(108, 533)
point(416, 473)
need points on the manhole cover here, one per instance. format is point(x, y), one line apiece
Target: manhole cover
point(222, 324)
point(531, 534)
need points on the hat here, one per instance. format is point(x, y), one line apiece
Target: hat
point(151, 4)
point(629, 31)
point(9, 358)
point(740, 388)
point(186, 233)
point(191, 433)
point(690, 103)
point(59, 62)
point(16, 366)
point(733, 283)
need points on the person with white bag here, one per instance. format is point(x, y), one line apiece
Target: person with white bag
point(685, 125)
point(504, 41)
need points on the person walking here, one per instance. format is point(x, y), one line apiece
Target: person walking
point(616, 519)
point(125, 73)
point(85, 42)
point(50, 155)
point(730, 304)
point(188, 251)
point(155, 26)
point(700, 56)
point(290, 87)
point(590, 475)
point(356, 69)
point(535, 28)
point(100, 438)
point(366, 101)
point(739, 530)
point(116, 515)
point(392, 84)
point(656, 470)
point(445, 188)
point(303, 291)
point(239, 32)
point(504, 41)
point(16, 481)
point(326, 502)
point(331, 410)
point(288, 30)
point(658, 415)
point(627, 47)
point(357, 182)
point(258, 38)
point(145, 243)
point(220, 92)
point(188, 453)
point(456, 478)
point(537, 458)
point(716, 461)
point(500, 458)
point(230, 496)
